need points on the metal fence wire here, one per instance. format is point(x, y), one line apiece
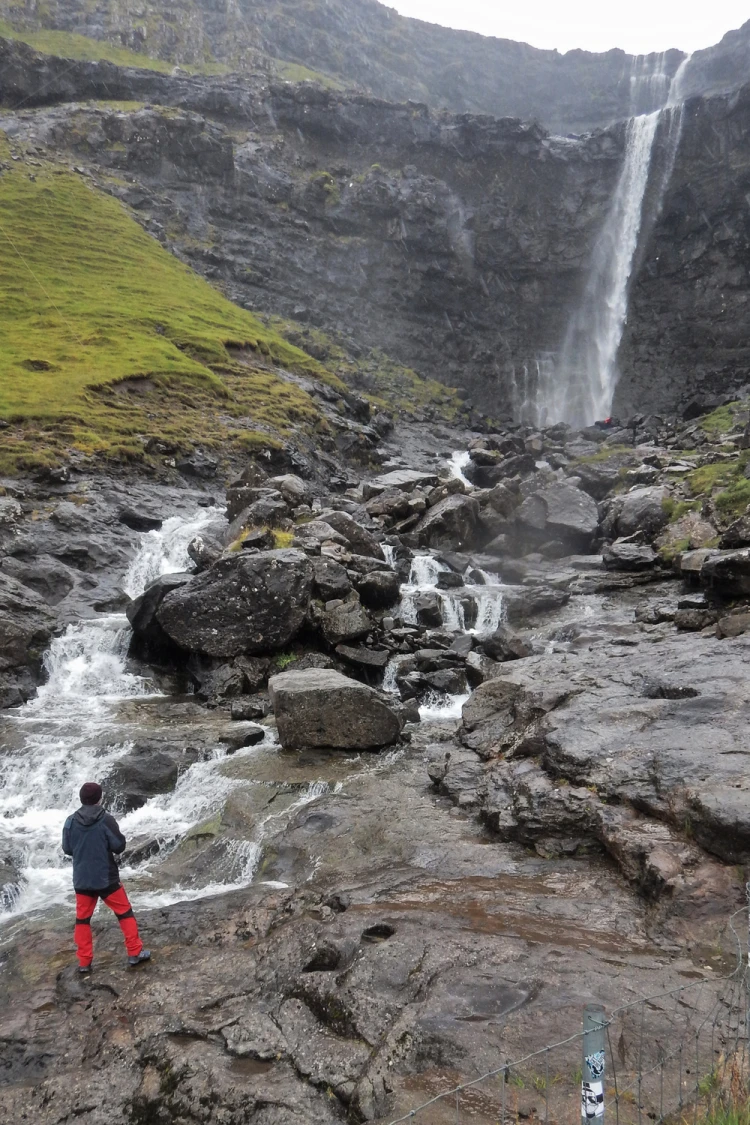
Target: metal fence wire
point(670, 1055)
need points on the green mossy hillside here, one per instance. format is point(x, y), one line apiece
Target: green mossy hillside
point(68, 45)
point(107, 341)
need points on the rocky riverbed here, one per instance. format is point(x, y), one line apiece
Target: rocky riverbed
point(528, 649)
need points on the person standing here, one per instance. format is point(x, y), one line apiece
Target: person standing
point(93, 838)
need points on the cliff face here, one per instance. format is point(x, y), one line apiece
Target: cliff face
point(457, 244)
point(689, 317)
point(451, 242)
point(367, 45)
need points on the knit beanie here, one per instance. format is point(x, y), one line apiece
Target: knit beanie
point(91, 793)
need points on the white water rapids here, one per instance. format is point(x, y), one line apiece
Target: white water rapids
point(72, 732)
point(485, 601)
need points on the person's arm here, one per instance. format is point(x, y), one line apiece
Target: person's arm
point(66, 845)
point(115, 838)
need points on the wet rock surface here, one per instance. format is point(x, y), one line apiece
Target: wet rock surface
point(323, 708)
point(336, 934)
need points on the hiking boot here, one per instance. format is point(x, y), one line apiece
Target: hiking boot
point(84, 968)
point(144, 955)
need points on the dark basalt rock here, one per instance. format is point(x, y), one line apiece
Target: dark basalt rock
point(150, 640)
point(379, 589)
point(246, 603)
point(26, 626)
point(623, 555)
point(451, 523)
point(323, 708)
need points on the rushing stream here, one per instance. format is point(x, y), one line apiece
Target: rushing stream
point(93, 707)
point(73, 731)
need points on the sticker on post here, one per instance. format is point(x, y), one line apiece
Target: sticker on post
point(592, 1100)
point(595, 1063)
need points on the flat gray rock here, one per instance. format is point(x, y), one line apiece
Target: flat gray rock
point(322, 708)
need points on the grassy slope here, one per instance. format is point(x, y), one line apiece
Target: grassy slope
point(68, 45)
point(89, 301)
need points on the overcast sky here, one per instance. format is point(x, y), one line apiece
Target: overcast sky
point(638, 26)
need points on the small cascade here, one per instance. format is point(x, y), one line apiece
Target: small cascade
point(436, 708)
point(423, 578)
point(391, 671)
point(389, 553)
point(459, 460)
point(241, 857)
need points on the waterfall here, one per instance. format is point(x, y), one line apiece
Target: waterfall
point(586, 375)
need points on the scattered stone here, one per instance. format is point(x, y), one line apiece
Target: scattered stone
point(357, 538)
point(504, 644)
point(254, 707)
point(348, 621)
point(139, 521)
point(623, 554)
point(319, 708)
point(379, 589)
point(733, 625)
point(364, 657)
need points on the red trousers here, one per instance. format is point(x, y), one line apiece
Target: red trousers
point(119, 903)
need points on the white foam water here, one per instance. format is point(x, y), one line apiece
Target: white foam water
point(70, 732)
point(241, 857)
point(458, 461)
point(423, 577)
point(437, 708)
point(586, 375)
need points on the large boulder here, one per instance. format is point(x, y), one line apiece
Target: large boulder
point(246, 603)
point(359, 540)
point(727, 572)
point(560, 511)
point(26, 626)
point(149, 638)
point(322, 708)
point(47, 576)
point(452, 522)
point(642, 510)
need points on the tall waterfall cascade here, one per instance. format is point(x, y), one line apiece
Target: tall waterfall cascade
point(580, 387)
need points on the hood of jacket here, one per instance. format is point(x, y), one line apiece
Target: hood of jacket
point(88, 815)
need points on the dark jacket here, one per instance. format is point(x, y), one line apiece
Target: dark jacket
point(93, 838)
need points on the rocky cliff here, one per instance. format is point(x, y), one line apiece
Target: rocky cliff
point(457, 244)
point(688, 321)
point(365, 44)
